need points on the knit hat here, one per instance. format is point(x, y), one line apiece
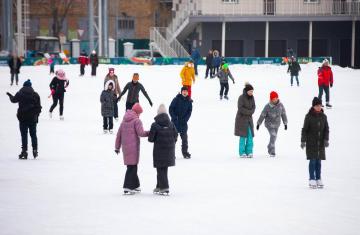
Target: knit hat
point(135, 77)
point(161, 109)
point(273, 95)
point(316, 101)
point(248, 87)
point(225, 66)
point(184, 88)
point(27, 83)
point(111, 69)
point(325, 61)
point(60, 74)
point(137, 108)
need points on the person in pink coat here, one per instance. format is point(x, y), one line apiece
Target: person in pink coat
point(128, 137)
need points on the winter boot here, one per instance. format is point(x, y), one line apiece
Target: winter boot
point(312, 184)
point(319, 184)
point(186, 155)
point(226, 97)
point(35, 153)
point(23, 155)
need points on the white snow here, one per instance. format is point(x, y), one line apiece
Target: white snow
point(75, 186)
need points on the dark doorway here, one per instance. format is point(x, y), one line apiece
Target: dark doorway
point(233, 48)
point(357, 54)
point(269, 7)
point(277, 48)
point(320, 48)
point(259, 48)
point(345, 52)
point(303, 48)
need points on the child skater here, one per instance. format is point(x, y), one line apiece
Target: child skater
point(107, 99)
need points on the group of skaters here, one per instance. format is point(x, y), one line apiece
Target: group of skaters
point(168, 123)
point(85, 60)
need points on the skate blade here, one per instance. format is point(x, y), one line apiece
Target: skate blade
point(128, 193)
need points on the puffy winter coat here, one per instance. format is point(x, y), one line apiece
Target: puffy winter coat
point(14, 65)
point(128, 137)
point(134, 89)
point(83, 60)
point(94, 60)
point(107, 100)
point(59, 85)
point(224, 76)
point(187, 75)
point(195, 55)
point(246, 108)
point(314, 133)
point(180, 111)
point(29, 104)
point(273, 113)
point(325, 76)
point(115, 79)
point(294, 68)
point(216, 61)
point(164, 135)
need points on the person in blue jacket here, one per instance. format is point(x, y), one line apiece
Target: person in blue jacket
point(195, 56)
point(180, 111)
point(216, 62)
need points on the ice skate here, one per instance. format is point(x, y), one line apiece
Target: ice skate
point(221, 97)
point(243, 156)
point(319, 184)
point(111, 132)
point(23, 155)
point(129, 191)
point(105, 131)
point(50, 114)
point(164, 192)
point(186, 155)
point(272, 155)
point(156, 190)
point(35, 153)
point(328, 105)
point(61, 118)
point(250, 155)
point(312, 184)
point(137, 190)
point(226, 97)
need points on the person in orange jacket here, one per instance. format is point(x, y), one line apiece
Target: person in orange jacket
point(187, 75)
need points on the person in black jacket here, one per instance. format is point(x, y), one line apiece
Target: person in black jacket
point(180, 111)
point(57, 87)
point(164, 135)
point(94, 61)
point(294, 69)
point(28, 116)
point(134, 87)
point(209, 62)
point(14, 64)
point(315, 137)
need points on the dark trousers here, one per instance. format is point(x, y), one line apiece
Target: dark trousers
point(292, 79)
point(162, 178)
point(24, 127)
point(208, 69)
point(131, 178)
point(16, 76)
point(82, 69)
point(327, 92)
point(52, 68)
point(58, 98)
point(116, 109)
point(214, 70)
point(108, 123)
point(224, 86)
point(129, 105)
point(315, 169)
point(184, 144)
point(93, 69)
point(196, 68)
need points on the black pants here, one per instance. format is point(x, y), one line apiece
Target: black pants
point(162, 178)
point(108, 123)
point(196, 68)
point(215, 70)
point(93, 69)
point(82, 69)
point(184, 144)
point(131, 178)
point(129, 105)
point(224, 86)
point(208, 69)
point(116, 109)
point(24, 127)
point(327, 93)
point(16, 75)
point(58, 98)
point(52, 69)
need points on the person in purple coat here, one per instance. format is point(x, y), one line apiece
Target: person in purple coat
point(128, 137)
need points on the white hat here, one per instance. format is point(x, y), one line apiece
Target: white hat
point(325, 61)
point(161, 109)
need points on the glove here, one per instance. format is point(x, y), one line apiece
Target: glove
point(326, 143)
point(151, 104)
point(285, 127)
point(302, 145)
point(117, 151)
point(52, 91)
point(257, 127)
point(8, 94)
point(331, 85)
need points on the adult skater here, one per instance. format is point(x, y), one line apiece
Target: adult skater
point(134, 87)
point(208, 62)
point(128, 137)
point(272, 113)
point(224, 74)
point(325, 81)
point(94, 61)
point(112, 77)
point(216, 63)
point(315, 137)
point(180, 111)
point(244, 126)
point(28, 116)
point(83, 60)
point(108, 99)
point(294, 69)
point(58, 88)
point(164, 135)
point(195, 56)
point(14, 64)
point(187, 75)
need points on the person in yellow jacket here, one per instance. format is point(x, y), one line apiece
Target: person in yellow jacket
point(187, 75)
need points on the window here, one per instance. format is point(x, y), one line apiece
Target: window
point(230, 1)
point(311, 1)
point(126, 24)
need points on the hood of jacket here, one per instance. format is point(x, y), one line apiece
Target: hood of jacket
point(130, 115)
point(163, 120)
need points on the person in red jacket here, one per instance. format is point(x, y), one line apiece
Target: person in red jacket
point(83, 60)
point(325, 80)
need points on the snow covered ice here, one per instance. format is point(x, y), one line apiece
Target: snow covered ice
point(75, 185)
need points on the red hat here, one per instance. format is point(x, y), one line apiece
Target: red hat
point(111, 69)
point(273, 95)
point(137, 108)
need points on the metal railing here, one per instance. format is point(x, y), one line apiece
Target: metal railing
point(175, 44)
point(161, 44)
